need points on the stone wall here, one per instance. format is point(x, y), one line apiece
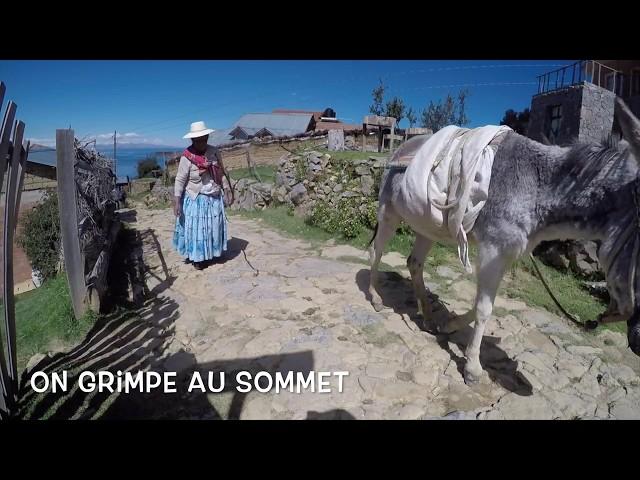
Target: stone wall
point(303, 180)
point(579, 257)
point(570, 98)
point(250, 194)
point(587, 114)
point(596, 114)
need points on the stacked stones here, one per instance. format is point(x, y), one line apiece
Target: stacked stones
point(304, 179)
point(581, 257)
point(250, 194)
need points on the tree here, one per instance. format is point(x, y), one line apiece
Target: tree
point(146, 166)
point(395, 109)
point(518, 121)
point(378, 95)
point(437, 116)
point(411, 117)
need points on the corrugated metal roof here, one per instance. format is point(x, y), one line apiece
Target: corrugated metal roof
point(220, 137)
point(279, 124)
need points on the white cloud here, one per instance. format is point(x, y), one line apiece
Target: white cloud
point(125, 138)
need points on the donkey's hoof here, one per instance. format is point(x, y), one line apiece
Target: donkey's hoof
point(470, 379)
point(472, 375)
point(378, 306)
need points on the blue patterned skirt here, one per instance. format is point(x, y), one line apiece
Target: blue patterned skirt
point(201, 230)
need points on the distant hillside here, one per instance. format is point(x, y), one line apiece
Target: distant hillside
point(136, 146)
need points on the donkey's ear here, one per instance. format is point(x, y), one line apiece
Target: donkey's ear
point(629, 125)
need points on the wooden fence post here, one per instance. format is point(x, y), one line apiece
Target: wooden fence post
point(7, 386)
point(73, 260)
point(364, 137)
point(13, 157)
point(9, 229)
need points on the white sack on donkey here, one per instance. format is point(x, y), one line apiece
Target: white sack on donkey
point(447, 183)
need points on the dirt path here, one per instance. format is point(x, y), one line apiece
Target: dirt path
point(307, 310)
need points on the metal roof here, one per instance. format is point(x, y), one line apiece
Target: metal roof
point(220, 137)
point(277, 123)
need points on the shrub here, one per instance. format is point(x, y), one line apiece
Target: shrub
point(343, 218)
point(146, 166)
point(371, 214)
point(40, 236)
point(404, 229)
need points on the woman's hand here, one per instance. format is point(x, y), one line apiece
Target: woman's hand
point(177, 208)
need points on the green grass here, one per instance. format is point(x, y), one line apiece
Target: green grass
point(44, 320)
point(267, 173)
point(280, 219)
point(520, 283)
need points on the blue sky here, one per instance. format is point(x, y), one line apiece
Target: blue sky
point(155, 101)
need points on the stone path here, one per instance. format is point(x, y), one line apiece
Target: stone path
point(307, 310)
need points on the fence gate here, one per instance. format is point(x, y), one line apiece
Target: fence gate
point(13, 159)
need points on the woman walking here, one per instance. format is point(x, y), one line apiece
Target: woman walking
point(201, 225)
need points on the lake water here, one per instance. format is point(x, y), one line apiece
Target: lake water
point(128, 158)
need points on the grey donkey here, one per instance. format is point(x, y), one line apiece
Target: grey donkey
point(537, 193)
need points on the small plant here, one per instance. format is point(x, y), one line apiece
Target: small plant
point(404, 229)
point(301, 169)
point(371, 214)
point(40, 236)
point(147, 166)
point(344, 218)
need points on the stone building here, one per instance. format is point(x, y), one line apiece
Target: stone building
point(576, 102)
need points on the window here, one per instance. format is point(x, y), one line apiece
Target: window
point(554, 120)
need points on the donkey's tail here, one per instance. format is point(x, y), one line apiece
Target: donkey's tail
point(375, 232)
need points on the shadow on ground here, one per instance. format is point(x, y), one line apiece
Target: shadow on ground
point(397, 293)
point(136, 335)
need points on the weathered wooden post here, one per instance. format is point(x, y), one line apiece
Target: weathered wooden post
point(393, 134)
point(73, 259)
point(13, 158)
point(364, 137)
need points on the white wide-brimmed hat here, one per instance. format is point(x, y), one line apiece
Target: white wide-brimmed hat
point(198, 129)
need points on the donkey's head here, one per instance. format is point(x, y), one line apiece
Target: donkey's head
point(620, 251)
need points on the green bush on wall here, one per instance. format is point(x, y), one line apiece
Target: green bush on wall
point(147, 166)
point(40, 236)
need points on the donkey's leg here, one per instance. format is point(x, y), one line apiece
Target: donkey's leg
point(388, 221)
point(457, 322)
point(415, 264)
point(491, 267)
